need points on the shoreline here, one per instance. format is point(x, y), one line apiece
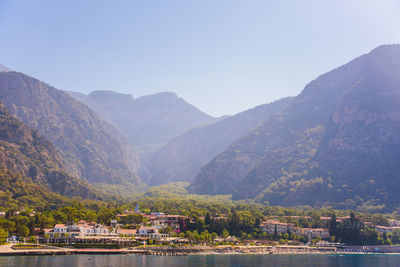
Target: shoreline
point(187, 251)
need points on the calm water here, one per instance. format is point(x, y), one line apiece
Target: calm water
point(208, 260)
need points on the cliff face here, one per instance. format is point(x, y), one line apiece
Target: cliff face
point(23, 151)
point(89, 147)
point(336, 143)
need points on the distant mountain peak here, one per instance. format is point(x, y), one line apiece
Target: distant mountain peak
point(110, 96)
point(161, 96)
point(386, 47)
point(4, 68)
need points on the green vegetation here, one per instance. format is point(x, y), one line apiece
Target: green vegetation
point(17, 191)
point(35, 158)
point(210, 216)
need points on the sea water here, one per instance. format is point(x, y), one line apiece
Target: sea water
point(352, 260)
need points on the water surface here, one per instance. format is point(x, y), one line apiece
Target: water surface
point(375, 260)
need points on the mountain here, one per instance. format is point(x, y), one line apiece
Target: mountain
point(4, 68)
point(183, 156)
point(337, 143)
point(89, 147)
point(151, 119)
point(78, 96)
point(25, 152)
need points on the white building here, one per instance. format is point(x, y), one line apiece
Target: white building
point(274, 226)
point(60, 228)
point(151, 232)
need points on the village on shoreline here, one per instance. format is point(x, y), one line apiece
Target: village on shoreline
point(156, 233)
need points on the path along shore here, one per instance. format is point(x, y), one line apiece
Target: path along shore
point(8, 250)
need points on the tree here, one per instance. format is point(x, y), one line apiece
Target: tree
point(22, 231)
point(3, 236)
point(166, 230)
point(66, 236)
point(47, 236)
point(225, 233)
point(32, 239)
point(333, 225)
point(316, 220)
point(234, 223)
point(196, 236)
point(7, 225)
point(213, 235)
point(207, 219)
point(56, 236)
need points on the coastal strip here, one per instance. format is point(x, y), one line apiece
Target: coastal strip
point(190, 250)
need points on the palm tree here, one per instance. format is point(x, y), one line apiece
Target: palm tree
point(47, 236)
point(66, 235)
point(57, 235)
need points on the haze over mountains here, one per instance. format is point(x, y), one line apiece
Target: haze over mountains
point(152, 119)
point(183, 156)
point(336, 143)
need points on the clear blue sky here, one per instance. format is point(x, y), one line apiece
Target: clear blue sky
point(222, 56)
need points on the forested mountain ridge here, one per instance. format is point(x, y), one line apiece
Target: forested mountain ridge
point(89, 147)
point(151, 119)
point(183, 156)
point(337, 143)
point(23, 151)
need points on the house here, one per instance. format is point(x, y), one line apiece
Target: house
point(386, 229)
point(12, 239)
point(313, 232)
point(325, 221)
point(126, 232)
point(368, 225)
point(168, 220)
point(157, 213)
point(82, 228)
point(232, 239)
point(2, 213)
point(114, 223)
point(151, 232)
point(60, 228)
point(394, 223)
point(274, 226)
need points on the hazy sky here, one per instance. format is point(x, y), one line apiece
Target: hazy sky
point(221, 56)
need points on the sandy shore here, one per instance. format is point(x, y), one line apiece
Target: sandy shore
point(7, 250)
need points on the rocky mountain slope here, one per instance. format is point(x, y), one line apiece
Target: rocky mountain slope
point(182, 157)
point(337, 143)
point(24, 151)
point(151, 119)
point(89, 147)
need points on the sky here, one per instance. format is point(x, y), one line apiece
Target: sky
point(223, 56)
